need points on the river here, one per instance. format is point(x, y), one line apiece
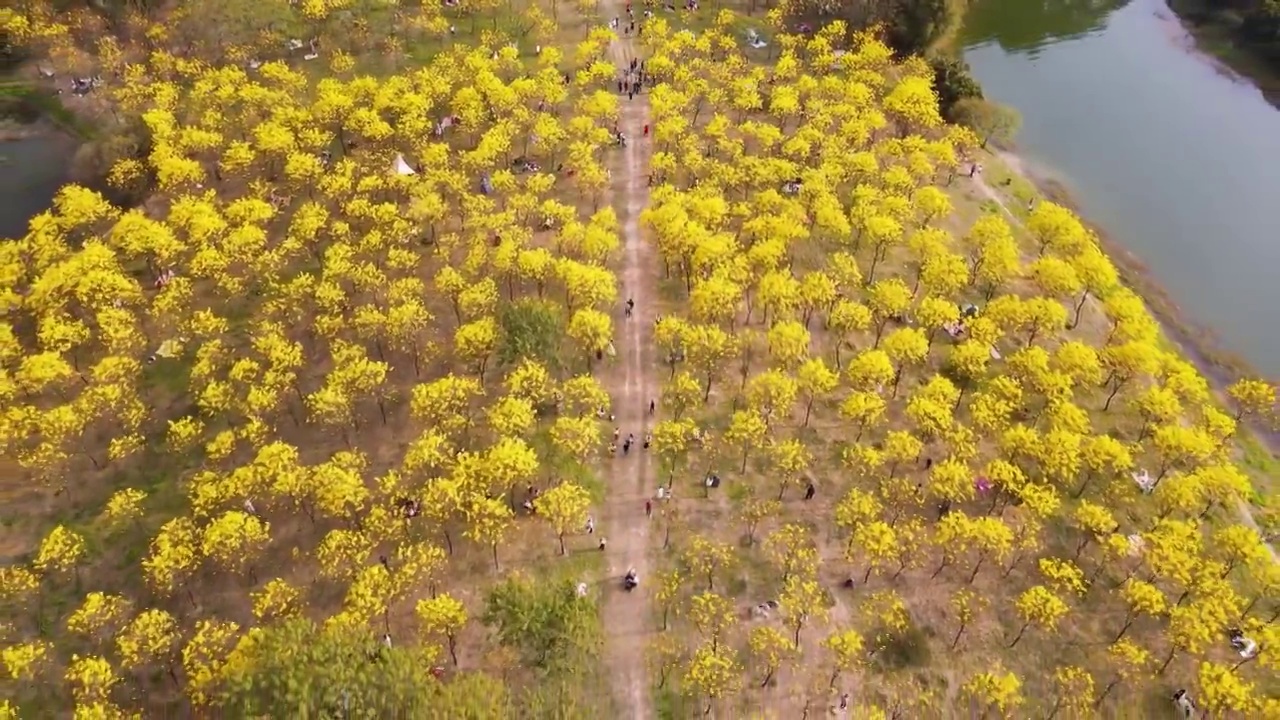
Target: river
point(31, 171)
point(1175, 158)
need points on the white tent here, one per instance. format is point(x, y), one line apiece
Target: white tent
point(402, 167)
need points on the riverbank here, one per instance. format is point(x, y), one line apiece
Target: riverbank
point(1008, 174)
point(1216, 34)
point(34, 165)
point(1257, 442)
point(40, 138)
point(1200, 343)
point(27, 109)
point(1013, 175)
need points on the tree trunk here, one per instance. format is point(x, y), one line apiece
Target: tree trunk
point(1114, 389)
point(1079, 309)
point(1128, 621)
point(1106, 691)
point(1019, 635)
point(978, 566)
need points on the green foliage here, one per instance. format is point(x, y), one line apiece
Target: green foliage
point(991, 121)
point(546, 622)
point(299, 669)
point(953, 83)
point(1252, 25)
point(905, 649)
point(26, 103)
point(911, 27)
point(530, 329)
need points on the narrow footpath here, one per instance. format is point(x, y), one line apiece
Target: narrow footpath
point(632, 383)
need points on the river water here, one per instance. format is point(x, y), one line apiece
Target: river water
point(1175, 158)
point(31, 171)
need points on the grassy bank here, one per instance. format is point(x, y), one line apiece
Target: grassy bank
point(1200, 341)
point(1259, 442)
point(25, 102)
point(1216, 33)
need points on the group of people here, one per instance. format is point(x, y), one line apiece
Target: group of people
point(628, 442)
point(632, 79)
point(630, 26)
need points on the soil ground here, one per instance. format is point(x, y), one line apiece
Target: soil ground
point(632, 383)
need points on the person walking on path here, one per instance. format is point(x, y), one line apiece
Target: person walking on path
point(652, 405)
point(648, 508)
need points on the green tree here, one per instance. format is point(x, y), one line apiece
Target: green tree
point(530, 329)
point(546, 622)
point(298, 668)
point(990, 120)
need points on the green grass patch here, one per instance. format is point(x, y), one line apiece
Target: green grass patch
point(1262, 467)
point(25, 102)
point(670, 704)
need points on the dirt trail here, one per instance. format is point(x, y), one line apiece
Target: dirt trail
point(1242, 508)
point(632, 383)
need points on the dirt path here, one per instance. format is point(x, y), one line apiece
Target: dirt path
point(632, 383)
point(1242, 508)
